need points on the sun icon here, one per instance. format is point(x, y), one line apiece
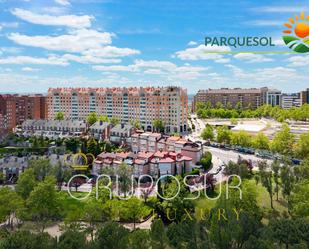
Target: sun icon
point(297, 31)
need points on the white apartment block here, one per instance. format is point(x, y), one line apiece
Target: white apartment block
point(143, 104)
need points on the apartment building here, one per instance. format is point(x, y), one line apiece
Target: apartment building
point(290, 100)
point(246, 97)
point(143, 104)
point(304, 97)
point(15, 109)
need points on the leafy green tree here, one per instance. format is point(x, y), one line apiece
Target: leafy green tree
point(261, 141)
point(125, 178)
point(92, 118)
point(139, 239)
point(302, 147)
point(42, 168)
point(224, 134)
point(275, 167)
point(43, 203)
point(299, 200)
point(134, 210)
point(206, 160)
point(2, 178)
point(26, 240)
point(240, 169)
point(114, 121)
point(59, 116)
point(62, 174)
point(72, 239)
point(112, 236)
point(93, 147)
point(104, 118)
point(72, 144)
point(26, 183)
point(266, 176)
point(136, 124)
point(10, 205)
point(93, 214)
point(158, 125)
point(283, 141)
point(287, 181)
point(208, 133)
point(241, 138)
point(158, 235)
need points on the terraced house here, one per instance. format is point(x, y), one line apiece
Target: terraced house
point(143, 104)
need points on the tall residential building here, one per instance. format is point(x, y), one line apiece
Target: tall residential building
point(290, 100)
point(14, 109)
point(304, 97)
point(143, 104)
point(252, 97)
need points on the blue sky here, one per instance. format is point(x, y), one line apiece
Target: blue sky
point(101, 43)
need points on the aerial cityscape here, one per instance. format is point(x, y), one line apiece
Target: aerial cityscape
point(154, 124)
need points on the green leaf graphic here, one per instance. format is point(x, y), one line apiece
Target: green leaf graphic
point(301, 48)
point(288, 39)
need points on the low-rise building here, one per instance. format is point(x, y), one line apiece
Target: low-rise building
point(100, 130)
point(53, 128)
point(121, 133)
point(150, 163)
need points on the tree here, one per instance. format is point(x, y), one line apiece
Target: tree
point(283, 141)
point(136, 124)
point(59, 116)
point(206, 160)
point(41, 167)
point(72, 144)
point(241, 138)
point(158, 125)
point(2, 178)
point(92, 118)
point(93, 147)
point(299, 200)
point(125, 177)
point(43, 203)
point(133, 210)
point(23, 239)
point(208, 133)
point(261, 141)
point(158, 235)
point(139, 239)
point(114, 121)
point(104, 118)
point(10, 205)
point(223, 134)
point(62, 174)
point(275, 166)
point(266, 179)
point(26, 183)
point(240, 169)
point(112, 236)
point(287, 181)
point(302, 147)
point(72, 239)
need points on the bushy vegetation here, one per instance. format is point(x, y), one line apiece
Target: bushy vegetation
point(206, 110)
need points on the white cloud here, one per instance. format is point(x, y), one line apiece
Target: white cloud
point(156, 67)
point(85, 59)
point(203, 52)
point(111, 51)
point(192, 43)
point(19, 60)
point(299, 60)
point(76, 41)
point(252, 58)
point(63, 2)
point(30, 69)
point(72, 21)
point(265, 22)
point(282, 9)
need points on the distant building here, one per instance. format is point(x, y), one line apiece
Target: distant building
point(100, 130)
point(121, 133)
point(291, 100)
point(15, 109)
point(53, 128)
point(304, 97)
point(245, 97)
point(273, 97)
point(142, 104)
